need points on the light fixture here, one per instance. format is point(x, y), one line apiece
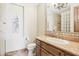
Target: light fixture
point(60, 5)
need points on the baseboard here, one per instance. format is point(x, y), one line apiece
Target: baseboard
point(13, 52)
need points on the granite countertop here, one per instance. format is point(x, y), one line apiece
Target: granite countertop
point(72, 47)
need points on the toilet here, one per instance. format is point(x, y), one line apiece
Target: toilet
point(30, 48)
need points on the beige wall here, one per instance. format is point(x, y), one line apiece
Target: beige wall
point(41, 19)
point(72, 16)
point(30, 21)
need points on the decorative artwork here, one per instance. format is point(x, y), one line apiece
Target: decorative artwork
point(15, 24)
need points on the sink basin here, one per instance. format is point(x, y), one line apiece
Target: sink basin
point(58, 41)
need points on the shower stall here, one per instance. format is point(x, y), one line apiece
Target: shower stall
point(11, 27)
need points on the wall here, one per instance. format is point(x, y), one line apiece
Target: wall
point(72, 16)
point(30, 21)
point(41, 19)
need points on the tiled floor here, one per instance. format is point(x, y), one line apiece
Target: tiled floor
point(18, 53)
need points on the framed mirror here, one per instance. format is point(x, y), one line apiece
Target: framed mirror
point(60, 17)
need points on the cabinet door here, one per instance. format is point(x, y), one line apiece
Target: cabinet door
point(76, 19)
point(38, 50)
point(51, 49)
point(67, 54)
point(45, 53)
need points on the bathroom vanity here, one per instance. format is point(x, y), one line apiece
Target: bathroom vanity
point(45, 47)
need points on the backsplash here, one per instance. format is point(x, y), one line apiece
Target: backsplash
point(66, 36)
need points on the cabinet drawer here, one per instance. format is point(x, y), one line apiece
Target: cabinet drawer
point(38, 42)
point(45, 53)
point(51, 49)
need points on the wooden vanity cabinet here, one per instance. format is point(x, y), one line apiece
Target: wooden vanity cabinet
point(45, 49)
